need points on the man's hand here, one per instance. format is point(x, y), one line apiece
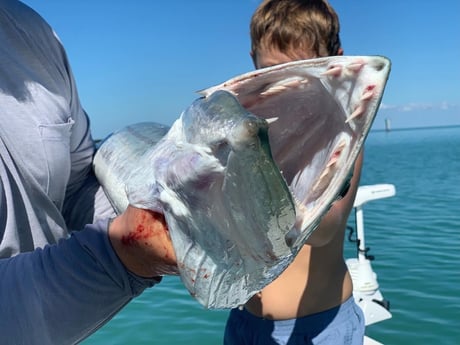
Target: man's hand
point(141, 240)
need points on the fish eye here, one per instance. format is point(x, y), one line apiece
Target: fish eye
point(221, 150)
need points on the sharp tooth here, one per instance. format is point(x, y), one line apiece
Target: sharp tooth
point(334, 71)
point(358, 112)
point(324, 174)
point(271, 120)
point(332, 161)
point(292, 82)
point(282, 85)
point(367, 95)
point(355, 67)
point(320, 182)
point(336, 155)
point(274, 89)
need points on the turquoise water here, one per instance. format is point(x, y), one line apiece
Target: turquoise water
point(414, 236)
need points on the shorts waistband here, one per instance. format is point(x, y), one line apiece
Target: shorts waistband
point(338, 314)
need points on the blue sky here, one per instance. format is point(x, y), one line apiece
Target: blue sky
point(142, 60)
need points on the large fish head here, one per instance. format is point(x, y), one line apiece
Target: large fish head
point(320, 112)
point(234, 222)
point(227, 205)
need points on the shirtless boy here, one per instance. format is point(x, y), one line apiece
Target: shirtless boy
point(311, 302)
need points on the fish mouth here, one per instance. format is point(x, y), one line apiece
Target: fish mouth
point(319, 113)
point(309, 139)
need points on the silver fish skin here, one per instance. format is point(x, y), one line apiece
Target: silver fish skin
point(320, 112)
point(236, 226)
point(211, 174)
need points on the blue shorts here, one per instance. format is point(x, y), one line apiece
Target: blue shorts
point(343, 324)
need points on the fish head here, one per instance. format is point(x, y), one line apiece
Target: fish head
point(246, 173)
point(226, 203)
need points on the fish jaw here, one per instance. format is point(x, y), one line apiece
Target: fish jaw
point(320, 112)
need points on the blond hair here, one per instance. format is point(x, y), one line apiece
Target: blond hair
point(290, 25)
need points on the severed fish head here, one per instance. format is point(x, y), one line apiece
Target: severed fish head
point(212, 175)
point(320, 112)
point(245, 175)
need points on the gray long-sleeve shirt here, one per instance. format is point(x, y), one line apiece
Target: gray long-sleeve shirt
point(62, 293)
point(46, 182)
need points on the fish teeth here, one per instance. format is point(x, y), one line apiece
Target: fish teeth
point(271, 120)
point(367, 95)
point(334, 71)
point(283, 85)
point(332, 161)
point(323, 175)
point(336, 155)
point(356, 66)
point(350, 69)
point(357, 112)
point(273, 90)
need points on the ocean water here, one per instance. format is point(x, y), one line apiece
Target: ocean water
point(414, 236)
